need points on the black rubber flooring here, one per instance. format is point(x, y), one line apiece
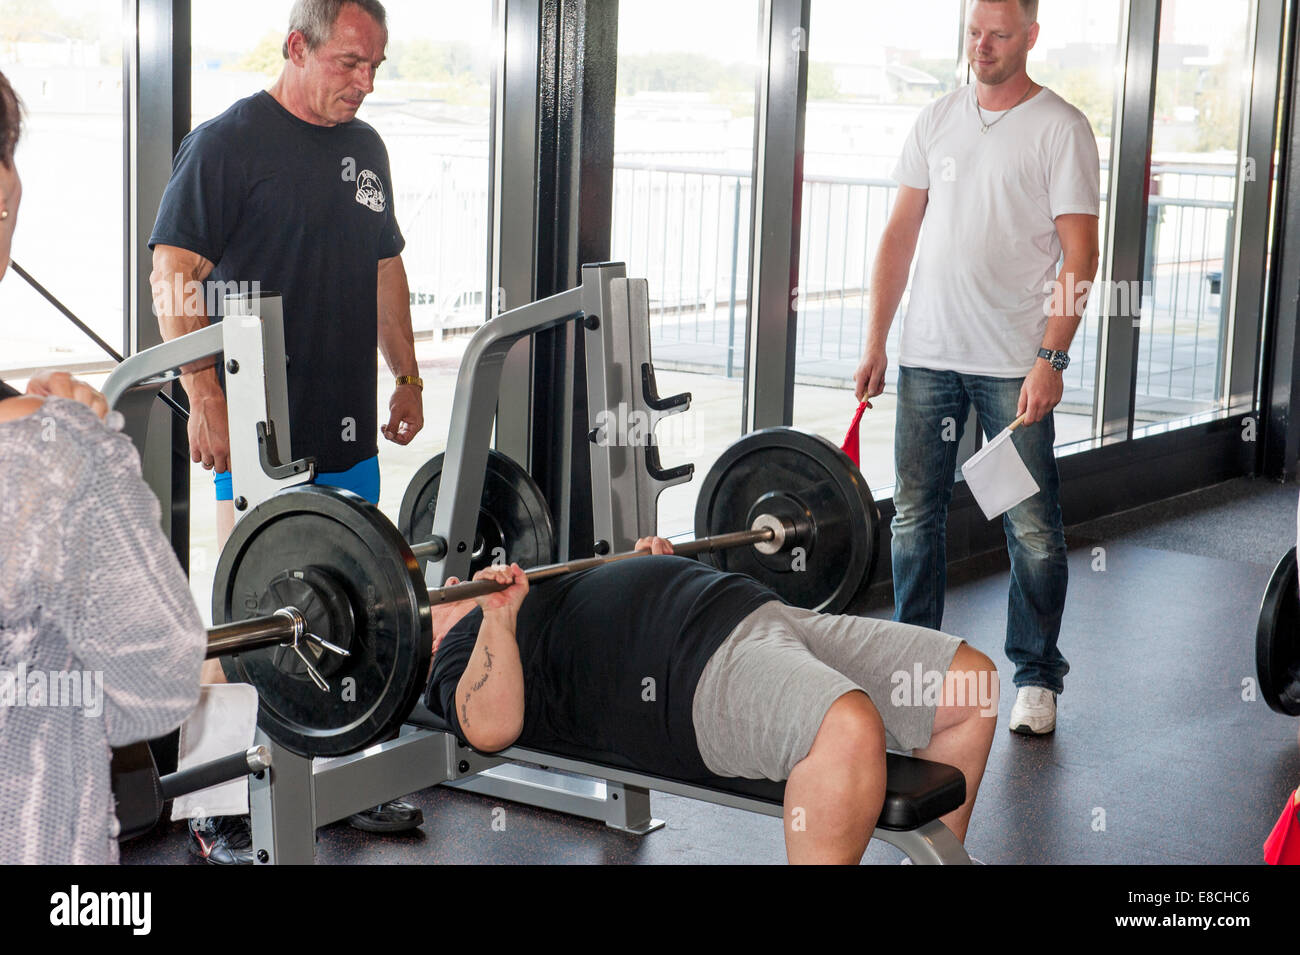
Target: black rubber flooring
point(1162, 754)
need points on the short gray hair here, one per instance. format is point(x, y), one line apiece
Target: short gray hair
point(315, 19)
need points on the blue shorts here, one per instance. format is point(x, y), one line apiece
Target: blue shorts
point(362, 479)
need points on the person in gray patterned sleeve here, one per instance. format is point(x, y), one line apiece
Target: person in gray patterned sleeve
point(100, 640)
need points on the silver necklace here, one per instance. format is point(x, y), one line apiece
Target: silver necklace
point(985, 127)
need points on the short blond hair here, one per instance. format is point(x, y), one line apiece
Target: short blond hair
point(1028, 7)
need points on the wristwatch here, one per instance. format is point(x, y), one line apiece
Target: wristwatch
point(411, 380)
point(1059, 360)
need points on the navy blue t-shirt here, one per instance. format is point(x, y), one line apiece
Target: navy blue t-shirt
point(306, 211)
point(611, 658)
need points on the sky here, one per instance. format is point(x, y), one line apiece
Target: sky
point(724, 29)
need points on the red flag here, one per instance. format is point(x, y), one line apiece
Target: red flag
point(1282, 847)
point(850, 445)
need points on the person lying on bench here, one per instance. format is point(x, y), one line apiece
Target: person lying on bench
point(685, 671)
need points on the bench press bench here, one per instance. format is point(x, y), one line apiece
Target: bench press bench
point(917, 791)
point(294, 797)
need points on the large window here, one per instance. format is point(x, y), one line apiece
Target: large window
point(863, 98)
point(683, 162)
point(64, 59)
point(1079, 54)
point(870, 72)
point(1205, 57)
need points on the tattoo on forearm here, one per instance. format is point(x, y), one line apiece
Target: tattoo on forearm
point(486, 666)
point(464, 706)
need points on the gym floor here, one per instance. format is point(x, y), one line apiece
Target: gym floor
point(1158, 756)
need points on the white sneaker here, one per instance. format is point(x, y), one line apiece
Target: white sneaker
point(1034, 712)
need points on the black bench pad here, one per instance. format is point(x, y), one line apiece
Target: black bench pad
point(916, 791)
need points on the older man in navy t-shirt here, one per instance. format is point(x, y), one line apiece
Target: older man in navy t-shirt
point(287, 189)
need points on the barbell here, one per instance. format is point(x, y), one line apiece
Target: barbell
point(319, 601)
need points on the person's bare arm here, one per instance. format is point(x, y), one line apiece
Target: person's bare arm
point(175, 272)
point(397, 343)
point(888, 282)
point(1044, 385)
point(11, 409)
point(176, 282)
point(490, 693)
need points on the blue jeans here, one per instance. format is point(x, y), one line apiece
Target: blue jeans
point(932, 411)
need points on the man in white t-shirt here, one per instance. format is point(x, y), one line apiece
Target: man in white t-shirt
point(1004, 176)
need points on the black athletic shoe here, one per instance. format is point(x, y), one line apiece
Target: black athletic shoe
point(222, 840)
point(394, 816)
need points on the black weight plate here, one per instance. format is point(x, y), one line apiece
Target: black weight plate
point(1277, 639)
point(804, 478)
point(352, 553)
point(514, 522)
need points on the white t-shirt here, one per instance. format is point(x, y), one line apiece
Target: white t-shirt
point(988, 249)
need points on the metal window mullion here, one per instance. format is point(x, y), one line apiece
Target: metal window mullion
point(156, 100)
point(1245, 298)
point(805, 257)
point(777, 202)
point(1117, 370)
point(512, 253)
point(1279, 392)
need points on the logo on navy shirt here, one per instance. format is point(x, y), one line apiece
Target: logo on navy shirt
point(370, 191)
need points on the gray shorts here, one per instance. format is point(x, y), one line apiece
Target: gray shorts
point(763, 694)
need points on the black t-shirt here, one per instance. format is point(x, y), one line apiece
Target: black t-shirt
point(591, 642)
point(306, 211)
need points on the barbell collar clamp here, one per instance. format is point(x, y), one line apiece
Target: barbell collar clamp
point(780, 531)
point(299, 631)
point(325, 644)
point(258, 758)
point(296, 620)
point(435, 548)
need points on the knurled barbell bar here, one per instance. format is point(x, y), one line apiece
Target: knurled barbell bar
point(287, 627)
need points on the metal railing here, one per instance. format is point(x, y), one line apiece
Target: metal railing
point(445, 224)
point(686, 229)
point(683, 229)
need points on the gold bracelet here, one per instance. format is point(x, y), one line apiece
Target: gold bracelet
point(411, 380)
